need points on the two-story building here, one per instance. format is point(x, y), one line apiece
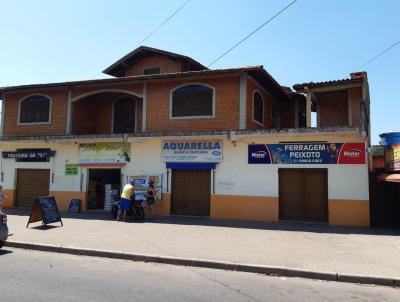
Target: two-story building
point(223, 143)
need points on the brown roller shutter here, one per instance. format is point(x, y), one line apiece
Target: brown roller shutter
point(191, 192)
point(303, 194)
point(31, 183)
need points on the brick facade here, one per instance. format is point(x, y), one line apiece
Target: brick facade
point(165, 64)
point(333, 109)
point(57, 126)
point(253, 86)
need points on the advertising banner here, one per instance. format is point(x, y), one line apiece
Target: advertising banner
point(31, 154)
point(98, 153)
point(307, 153)
point(71, 169)
point(142, 181)
point(204, 151)
point(392, 158)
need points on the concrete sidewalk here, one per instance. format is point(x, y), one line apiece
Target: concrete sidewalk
point(306, 247)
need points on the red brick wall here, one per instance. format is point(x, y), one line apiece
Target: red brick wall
point(356, 97)
point(58, 114)
point(288, 114)
point(268, 123)
point(227, 100)
point(166, 65)
point(333, 108)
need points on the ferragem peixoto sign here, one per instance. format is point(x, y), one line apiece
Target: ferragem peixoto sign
point(307, 153)
point(205, 151)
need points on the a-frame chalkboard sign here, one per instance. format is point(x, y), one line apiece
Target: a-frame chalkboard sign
point(45, 209)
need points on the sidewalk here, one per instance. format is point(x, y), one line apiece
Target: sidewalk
point(310, 247)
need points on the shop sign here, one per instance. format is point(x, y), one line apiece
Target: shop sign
point(104, 153)
point(204, 151)
point(142, 181)
point(71, 169)
point(31, 154)
point(307, 153)
point(392, 158)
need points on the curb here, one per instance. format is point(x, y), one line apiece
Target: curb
point(249, 268)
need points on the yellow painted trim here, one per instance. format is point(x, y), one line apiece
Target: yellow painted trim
point(257, 208)
point(9, 202)
point(163, 207)
point(63, 199)
point(344, 212)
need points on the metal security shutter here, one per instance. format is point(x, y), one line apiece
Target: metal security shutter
point(315, 195)
point(191, 192)
point(291, 194)
point(31, 183)
point(303, 194)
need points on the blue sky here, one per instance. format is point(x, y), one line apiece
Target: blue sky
point(314, 40)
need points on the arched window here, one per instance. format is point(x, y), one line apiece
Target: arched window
point(124, 115)
point(35, 109)
point(195, 100)
point(258, 108)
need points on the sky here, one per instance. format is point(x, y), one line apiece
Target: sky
point(314, 40)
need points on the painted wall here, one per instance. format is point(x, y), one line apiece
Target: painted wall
point(236, 182)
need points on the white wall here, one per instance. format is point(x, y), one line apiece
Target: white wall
point(232, 177)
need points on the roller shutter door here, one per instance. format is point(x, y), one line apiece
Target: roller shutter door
point(303, 194)
point(31, 183)
point(191, 192)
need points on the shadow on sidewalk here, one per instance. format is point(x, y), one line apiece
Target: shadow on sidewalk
point(288, 226)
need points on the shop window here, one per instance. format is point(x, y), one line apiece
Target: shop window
point(153, 70)
point(192, 101)
point(258, 108)
point(35, 109)
point(124, 115)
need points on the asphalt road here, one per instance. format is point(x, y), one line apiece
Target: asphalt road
point(40, 276)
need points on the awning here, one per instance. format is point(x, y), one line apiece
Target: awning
point(389, 177)
point(191, 166)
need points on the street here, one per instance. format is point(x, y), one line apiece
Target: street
point(40, 276)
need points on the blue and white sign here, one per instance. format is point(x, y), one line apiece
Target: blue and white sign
point(199, 151)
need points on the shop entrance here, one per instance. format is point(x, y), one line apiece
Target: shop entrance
point(103, 188)
point(191, 192)
point(31, 184)
point(303, 194)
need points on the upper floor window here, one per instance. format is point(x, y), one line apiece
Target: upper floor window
point(35, 109)
point(124, 115)
point(153, 70)
point(196, 100)
point(258, 108)
point(274, 111)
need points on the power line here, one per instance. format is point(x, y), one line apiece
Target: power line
point(378, 55)
point(252, 33)
point(165, 21)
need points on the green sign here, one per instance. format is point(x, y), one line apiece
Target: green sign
point(106, 153)
point(71, 169)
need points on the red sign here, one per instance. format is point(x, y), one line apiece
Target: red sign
point(392, 158)
point(352, 153)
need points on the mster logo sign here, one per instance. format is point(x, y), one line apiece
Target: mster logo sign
point(352, 153)
point(258, 154)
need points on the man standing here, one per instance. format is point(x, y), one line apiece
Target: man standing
point(126, 199)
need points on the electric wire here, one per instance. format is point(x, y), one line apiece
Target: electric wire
point(378, 55)
point(252, 33)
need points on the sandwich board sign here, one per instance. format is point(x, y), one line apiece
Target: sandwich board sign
point(45, 209)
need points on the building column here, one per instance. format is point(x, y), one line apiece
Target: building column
point(242, 103)
point(69, 113)
point(308, 107)
point(3, 111)
point(144, 107)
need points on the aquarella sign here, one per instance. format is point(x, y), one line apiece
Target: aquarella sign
point(192, 151)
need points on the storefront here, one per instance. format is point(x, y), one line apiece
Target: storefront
point(247, 177)
point(191, 163)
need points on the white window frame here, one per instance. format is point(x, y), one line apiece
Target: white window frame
point(263, 110)
point(112, 112)
point(35, 123)
point(191, 116)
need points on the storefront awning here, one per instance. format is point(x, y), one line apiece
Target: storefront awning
point(191, 166)
point(389, 177)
